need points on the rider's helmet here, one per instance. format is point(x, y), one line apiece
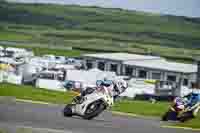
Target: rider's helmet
point(120, 85)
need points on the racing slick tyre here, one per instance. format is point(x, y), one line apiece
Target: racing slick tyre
point(169, 115)
point(67, 111)
point(94, 109)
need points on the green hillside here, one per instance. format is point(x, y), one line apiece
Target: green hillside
point(100, 29)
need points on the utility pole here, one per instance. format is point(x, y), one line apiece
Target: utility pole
point(180, 83)
point(198, 73)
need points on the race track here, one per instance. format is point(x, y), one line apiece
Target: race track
point(49, 117)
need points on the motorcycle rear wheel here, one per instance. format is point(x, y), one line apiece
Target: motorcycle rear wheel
point(169, 115)
point(91, 113)
point(165, 116)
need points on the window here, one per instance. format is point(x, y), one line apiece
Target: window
point(89, 64)
point(47, 76)
point(185, 82)
point(113, 67)
point(156, 75)
point(60, 77)
point(142, 74)
point(101, 66)
point(128, 70)
point(171, 78)
point(9, 53)
point(57, 58)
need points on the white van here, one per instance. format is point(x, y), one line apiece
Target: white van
point(17, 52)
point(52, 80)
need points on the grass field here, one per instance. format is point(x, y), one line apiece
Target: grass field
point(14, 36)
point(94, 28)
point(136, 107)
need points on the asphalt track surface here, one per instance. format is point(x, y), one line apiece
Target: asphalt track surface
point(50, 117)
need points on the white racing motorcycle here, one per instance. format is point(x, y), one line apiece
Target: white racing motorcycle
point(93, 101)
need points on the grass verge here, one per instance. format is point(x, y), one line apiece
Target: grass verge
point(2, 131)
point(141, 107)
point(31, 93)
point(144, 108)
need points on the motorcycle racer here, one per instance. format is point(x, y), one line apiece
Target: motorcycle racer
point(115, 87)
point(93, 101)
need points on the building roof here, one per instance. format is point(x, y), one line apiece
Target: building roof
point(164, 65)
point(15, 49)
point(122, 56)
point(147, 61)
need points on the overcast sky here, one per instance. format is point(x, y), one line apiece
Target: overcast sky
point(174, 7)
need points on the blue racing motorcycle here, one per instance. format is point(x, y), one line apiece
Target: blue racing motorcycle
point(183, 109)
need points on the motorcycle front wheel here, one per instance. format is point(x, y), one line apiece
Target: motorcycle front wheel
point(186, 116)
point(67, 111)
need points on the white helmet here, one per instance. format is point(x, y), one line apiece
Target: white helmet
point(121, 85)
